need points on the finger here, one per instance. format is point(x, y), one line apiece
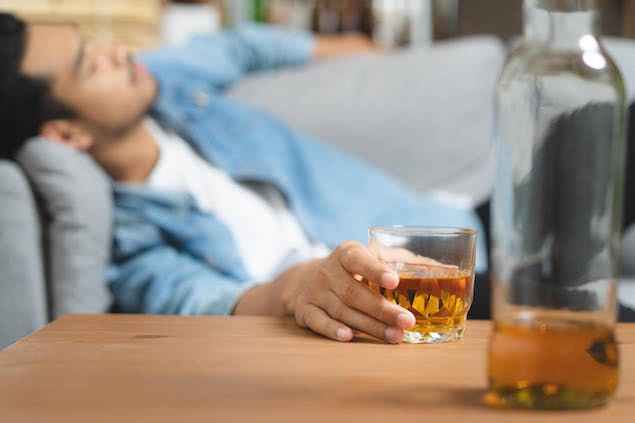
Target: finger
point(356, 259)
point(360, 321)
point(360, 297)
point(319, 321)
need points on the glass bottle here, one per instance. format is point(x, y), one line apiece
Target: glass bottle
point(556, 213)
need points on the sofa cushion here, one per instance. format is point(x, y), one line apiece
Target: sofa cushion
point(77, 204)
point(422, 114)
point(23, 306)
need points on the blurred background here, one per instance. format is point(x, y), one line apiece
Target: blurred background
point(146, 23)
point(424, 115)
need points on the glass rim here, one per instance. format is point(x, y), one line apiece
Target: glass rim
point(422, 230)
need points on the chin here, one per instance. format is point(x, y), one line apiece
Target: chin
point(148, 91)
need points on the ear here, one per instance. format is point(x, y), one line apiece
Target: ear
point(67, 132)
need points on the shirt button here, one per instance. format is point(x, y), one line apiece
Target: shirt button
point(201, 98)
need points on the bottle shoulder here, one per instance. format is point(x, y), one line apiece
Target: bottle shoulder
point(528, 62)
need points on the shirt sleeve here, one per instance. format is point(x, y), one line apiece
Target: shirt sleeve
point(227, 56)
point(163, 281)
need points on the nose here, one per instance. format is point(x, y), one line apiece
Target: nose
point(116, 56)
point(120, 55)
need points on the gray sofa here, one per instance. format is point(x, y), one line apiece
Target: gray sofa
point(423, 115)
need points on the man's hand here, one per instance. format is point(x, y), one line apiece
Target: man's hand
point(332, 301)
point(327, 296)
point(327, 46)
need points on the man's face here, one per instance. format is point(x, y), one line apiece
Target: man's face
point(101, 83)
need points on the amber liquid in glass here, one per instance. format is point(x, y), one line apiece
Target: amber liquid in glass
point(439, 304)
point(552, 365)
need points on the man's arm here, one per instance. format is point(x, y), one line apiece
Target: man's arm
point(227, 56)
point(328, 46)
point(322, 295)
point(162, 280)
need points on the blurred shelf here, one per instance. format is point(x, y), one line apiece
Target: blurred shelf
point(135, 23)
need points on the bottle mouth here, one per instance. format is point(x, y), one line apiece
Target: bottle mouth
point(562, 5)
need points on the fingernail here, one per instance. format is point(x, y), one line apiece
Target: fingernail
point(405, 320)
point(343, 334)
point(393, 335)
point(389, 279)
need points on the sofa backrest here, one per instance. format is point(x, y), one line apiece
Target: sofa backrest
point(423, 115)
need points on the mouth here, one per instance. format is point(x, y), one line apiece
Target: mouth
point(140, 71)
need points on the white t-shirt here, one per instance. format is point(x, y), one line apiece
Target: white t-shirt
point(268, 237)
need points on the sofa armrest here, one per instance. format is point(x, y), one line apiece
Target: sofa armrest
point(23, 306)
point(76, 200)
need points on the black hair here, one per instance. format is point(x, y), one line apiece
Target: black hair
point(26, 102)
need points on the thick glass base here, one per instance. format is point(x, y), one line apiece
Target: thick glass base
point(548, 396)
point(434, 337)
point(552, 364)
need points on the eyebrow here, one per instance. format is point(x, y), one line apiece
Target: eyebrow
point(79, 58)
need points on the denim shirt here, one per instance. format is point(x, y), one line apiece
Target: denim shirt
point(171, 257)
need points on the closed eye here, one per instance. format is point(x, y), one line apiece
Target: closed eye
point(79, 57)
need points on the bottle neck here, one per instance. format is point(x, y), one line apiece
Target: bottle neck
point(560, 23)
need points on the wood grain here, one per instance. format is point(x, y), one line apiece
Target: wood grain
point(120, 368)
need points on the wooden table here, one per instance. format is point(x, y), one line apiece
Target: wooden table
point(214, 369)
